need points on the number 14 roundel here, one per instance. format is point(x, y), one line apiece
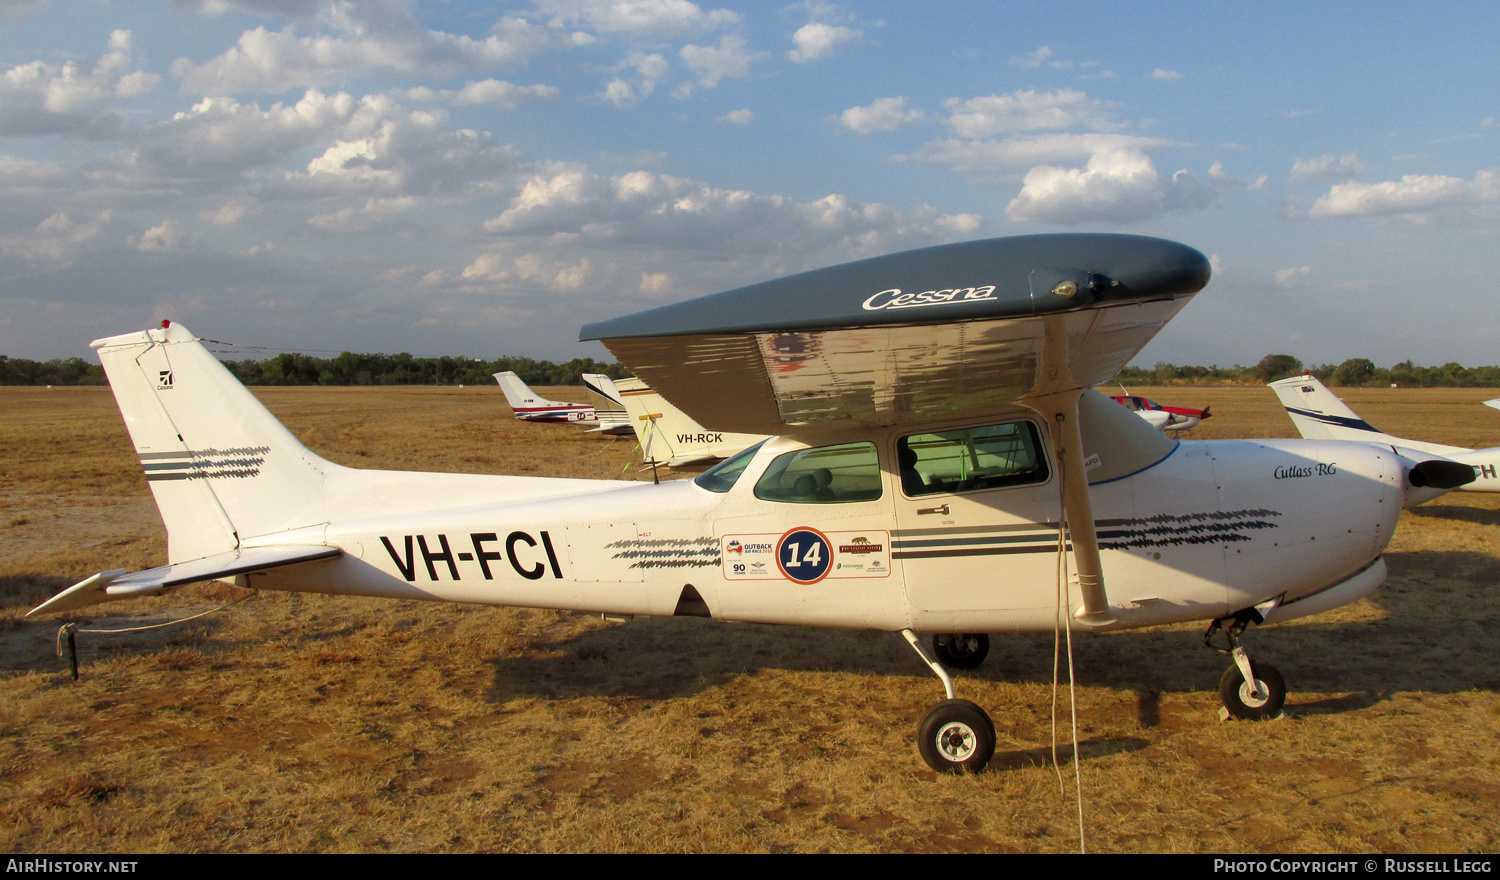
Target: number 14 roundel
point(804, 555)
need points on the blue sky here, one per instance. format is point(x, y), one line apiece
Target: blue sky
point(482, 179)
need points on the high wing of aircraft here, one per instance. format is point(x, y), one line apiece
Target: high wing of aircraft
point(938, 451)
point(1320, 415)
point(1162, 418)
point(667, 436)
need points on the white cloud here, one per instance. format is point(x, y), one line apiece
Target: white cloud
point(971, 156)
point(712, 63)
point(494, 91)
point(739, 117)
point(883, 114)
point(225, 215)
point(815, 41)
point(640, 208)
point(1328, 165)
point(56, 241)
point(1292, 277)
point(1119, 186)
point(278, 61)
point(1414, 196)
point(639, 17)
point(619, 93)
point(165, 237)
point(650, 68)
point(39, 98)
point(1220, 178)
point(1023, 111)
point(1032, 60)
point(220, 134)
point(1165, 75)
point(655, 282)
point(373, 214)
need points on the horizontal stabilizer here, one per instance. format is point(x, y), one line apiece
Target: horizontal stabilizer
point(110, 585)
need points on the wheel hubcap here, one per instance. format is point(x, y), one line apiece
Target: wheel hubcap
point(1250, 698)
point(956, 741)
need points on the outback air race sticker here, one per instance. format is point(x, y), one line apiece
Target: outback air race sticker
point(806, 555)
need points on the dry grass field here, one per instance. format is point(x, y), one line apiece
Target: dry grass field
point(324, 724)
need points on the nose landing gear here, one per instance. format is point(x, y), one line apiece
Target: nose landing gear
point(1251, 690)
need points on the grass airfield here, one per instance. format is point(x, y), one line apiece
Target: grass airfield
point(303, 723)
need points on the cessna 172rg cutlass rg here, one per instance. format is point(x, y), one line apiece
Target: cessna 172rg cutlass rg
point(937, 435)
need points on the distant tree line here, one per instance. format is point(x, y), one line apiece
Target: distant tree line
point(346, 369)
point(403, 369)
point(1352, 373)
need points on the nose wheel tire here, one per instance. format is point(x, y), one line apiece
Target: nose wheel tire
point(956, 737)
point(961, 650)
point(1242, 702)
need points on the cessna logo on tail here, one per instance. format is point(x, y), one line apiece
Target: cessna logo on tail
point(896, 299)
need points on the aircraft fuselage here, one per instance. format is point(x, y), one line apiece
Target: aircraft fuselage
point(1211, 528)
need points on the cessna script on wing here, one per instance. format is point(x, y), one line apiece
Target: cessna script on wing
point(896, 299)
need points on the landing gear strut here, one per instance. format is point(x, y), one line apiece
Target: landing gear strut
point(1252, 690)
point(956, 736)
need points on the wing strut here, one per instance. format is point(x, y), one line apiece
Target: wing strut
point(1061, 409)
point(1080, 512)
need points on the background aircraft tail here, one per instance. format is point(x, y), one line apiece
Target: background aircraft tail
point(220, 466)
point(608, 409)
point(670, 436)
point(520, 396)
point(1319, 414)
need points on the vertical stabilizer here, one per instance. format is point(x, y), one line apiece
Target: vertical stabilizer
point(1319, 414)
point(670, 436)
point(220, 466)
point(520, 396)
point(609, 411)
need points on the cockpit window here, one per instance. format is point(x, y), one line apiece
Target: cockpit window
point(823, 475)
point(971, 458)
point(722, 476)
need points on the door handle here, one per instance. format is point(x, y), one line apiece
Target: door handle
point(923, 510)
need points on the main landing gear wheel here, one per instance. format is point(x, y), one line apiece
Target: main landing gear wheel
point(1243, 702)
point(961, 650)
point(956, 737)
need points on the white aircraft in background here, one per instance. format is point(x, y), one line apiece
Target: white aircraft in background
point(1320, 415)
point(939, 446)
point(532, 407)
point(666, 435)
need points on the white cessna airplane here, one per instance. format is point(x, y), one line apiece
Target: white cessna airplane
point(1321, 415)
point(937, 437)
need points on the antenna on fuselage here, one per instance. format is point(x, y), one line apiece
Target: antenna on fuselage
point(650, 420)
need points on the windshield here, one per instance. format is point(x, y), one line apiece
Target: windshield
point(722, 476)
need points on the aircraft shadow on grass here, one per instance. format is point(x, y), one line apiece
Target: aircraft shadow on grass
point(1458, 513)
point(1420, 644)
